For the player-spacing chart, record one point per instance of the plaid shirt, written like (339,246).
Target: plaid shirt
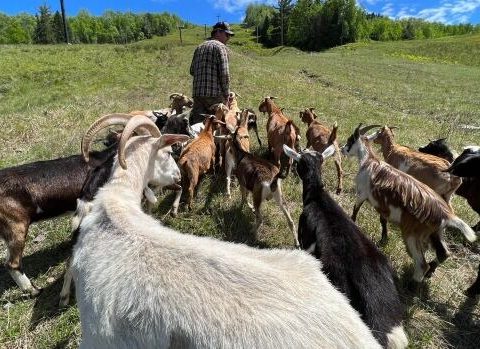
(209,68)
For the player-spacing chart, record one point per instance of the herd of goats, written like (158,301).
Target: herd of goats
(140,284)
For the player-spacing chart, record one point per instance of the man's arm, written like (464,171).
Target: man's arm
(224,71)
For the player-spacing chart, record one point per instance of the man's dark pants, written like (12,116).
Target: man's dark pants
(202,105)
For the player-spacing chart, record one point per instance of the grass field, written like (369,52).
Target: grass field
(50,94)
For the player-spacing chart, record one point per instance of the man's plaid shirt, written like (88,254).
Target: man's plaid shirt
(211,76)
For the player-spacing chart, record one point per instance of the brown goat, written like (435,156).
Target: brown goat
(280,131)
(420,212)
(426,168)
(262,179)
(318,136)
(197,158)
(243,140)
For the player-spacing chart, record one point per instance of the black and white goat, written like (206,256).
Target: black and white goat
(421,213)
(140,284)
(353,264)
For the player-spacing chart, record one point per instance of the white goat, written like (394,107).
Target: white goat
(143,285)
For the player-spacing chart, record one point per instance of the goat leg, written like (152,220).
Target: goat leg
(383,223)
(277,194)
(67,283)
(258,138)
(177,188)
(441,251)
(356,208)
(14,260)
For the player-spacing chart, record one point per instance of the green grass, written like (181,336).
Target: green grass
(50,94)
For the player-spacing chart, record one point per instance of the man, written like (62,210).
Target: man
(210,71)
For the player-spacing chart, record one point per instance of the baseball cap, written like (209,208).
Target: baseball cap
(223,26)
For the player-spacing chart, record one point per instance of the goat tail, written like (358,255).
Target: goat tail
(333,135)
(458,224)
(397,339)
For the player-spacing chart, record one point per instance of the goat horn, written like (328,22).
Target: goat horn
(393,127)
(104,122)
(173,95)
(235,94)
(363,130)
(130,127)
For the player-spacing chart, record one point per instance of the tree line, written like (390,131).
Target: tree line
(320,24)
(112,27)
(306,24)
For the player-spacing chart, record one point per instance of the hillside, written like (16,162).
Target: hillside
(49,95)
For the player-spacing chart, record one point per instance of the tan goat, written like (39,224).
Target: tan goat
(280,131)
(427,168)
(243,140)
(197,158)
(421,213)
(318,136)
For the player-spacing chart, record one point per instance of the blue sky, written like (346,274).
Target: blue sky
(208,11)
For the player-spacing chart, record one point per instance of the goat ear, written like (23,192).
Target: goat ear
(328,152)
(291,153)
(169,139)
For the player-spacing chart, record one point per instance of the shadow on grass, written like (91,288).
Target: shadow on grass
(238,226)
(217,186)
(464,330)
(46,305)
(410,290)
(38,263)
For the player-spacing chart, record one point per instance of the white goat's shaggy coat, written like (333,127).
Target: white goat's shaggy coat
(143,285)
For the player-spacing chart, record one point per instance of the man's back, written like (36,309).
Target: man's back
(210,70)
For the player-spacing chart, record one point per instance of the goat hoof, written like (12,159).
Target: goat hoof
(35,292)
(472,292)
(383,241)
(433,266)
(63,302)
(339,191)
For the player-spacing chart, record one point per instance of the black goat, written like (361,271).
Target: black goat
(350,260)
(37,191)
(468,165)
(470,186)
(438,147)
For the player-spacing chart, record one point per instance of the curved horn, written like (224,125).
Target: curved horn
(104,122)
(130,127)
(364,129)
(173,95)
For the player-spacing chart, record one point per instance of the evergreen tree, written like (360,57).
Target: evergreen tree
(57,27)
(44,31)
